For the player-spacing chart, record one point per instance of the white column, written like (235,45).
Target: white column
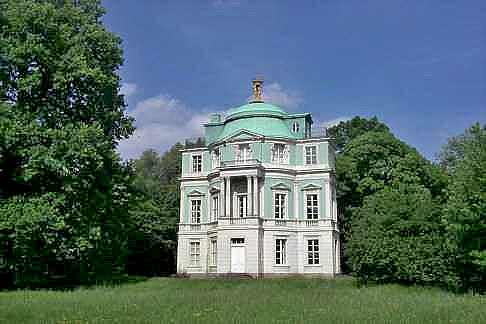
(255,195)
(181,209)
(221,197)
(249,196)
(227,197)
(327,196)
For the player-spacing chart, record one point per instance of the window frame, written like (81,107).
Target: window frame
(213,252)
(196,166)
(277,157)
(198,217)
(313,252)
(281,252)
(195,254)
(316,147)
(318,206)
(214,214)
(283,207)
(215,158)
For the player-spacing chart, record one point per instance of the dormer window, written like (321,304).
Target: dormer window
(196,163)
(295,127)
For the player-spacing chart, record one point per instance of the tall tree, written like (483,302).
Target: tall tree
(61,117)
(155,213)
(346,131)
(465,210)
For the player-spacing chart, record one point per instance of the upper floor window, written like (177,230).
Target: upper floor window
(241,201)
(312,206)
(195,253)
(196,163)
(215,158)
(196,211)
(279,206)
(311,155)
(312,251)
(280,154)
(243,153)
(280,251)
(215,208)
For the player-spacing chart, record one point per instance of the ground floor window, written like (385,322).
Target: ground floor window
(213,245)
(280,251)
(195,253)
(312,251)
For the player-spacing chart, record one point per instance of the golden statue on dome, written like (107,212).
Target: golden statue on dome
(257,89)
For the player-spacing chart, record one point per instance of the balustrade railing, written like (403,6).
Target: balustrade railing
(239,162)
(228,221)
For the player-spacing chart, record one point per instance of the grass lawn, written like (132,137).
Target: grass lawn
(170,300)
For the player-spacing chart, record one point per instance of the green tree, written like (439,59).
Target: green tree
(155,213)
(60,119)
(397,236)
(373,162)
(346,131)
(465,210)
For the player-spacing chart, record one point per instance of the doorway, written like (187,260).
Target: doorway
(238,257)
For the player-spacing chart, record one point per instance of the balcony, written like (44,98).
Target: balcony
(317,132)
(236,163)
(257,221)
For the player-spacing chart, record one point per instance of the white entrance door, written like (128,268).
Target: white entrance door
(237,255)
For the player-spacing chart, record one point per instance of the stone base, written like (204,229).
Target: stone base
(257,275)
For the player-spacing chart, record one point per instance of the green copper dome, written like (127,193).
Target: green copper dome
(257,117)
(256,109)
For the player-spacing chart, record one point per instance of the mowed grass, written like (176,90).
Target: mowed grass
(171,300)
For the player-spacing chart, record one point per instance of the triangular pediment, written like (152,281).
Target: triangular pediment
(242,135)
(280,186)
(195,193)
(311,186)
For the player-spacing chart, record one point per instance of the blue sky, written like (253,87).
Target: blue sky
(419,66)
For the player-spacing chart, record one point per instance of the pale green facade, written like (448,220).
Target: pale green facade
(258,196)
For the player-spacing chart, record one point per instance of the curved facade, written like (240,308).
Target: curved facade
(259,198)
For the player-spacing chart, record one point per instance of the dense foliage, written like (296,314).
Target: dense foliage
(64,195)
(155,213)
(465,210)
(406,220)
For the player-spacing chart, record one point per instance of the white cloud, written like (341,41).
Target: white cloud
(161,122)
(333,122)
(274,93)
(128,89)
(225,3)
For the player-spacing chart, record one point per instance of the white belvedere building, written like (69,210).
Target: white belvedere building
(259,197)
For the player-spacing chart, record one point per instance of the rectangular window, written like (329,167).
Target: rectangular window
(280,251)
(312,251)
(215,208)
(213,246)
(312,206)
(279,153)
(196,163)
(242,205)
(196,211)
(310,155)
(280,201)
(195,253)
(215,158)
(243,154)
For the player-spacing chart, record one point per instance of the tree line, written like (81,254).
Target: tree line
(72,212)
